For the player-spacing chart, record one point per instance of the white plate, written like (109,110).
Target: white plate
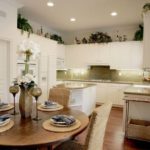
(3,123)
(60,124)
(4,106)
(49,107)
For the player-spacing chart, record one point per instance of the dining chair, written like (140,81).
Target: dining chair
(96,131)
(60,95)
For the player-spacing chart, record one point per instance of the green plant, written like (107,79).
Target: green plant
(57,38)
(23,24)
(146,7)
(99,37)
(138,36)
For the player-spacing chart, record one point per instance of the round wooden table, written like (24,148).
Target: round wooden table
(30,133)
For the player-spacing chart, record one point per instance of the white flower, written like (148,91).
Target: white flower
(25,79)
(30,45)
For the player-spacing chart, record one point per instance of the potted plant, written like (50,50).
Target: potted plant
(138,36)
(23,24)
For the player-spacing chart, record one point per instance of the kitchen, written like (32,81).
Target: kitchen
(112,66)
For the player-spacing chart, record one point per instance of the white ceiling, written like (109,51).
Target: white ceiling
(89,14)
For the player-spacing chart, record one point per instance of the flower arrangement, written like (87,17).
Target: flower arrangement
(29,48)
(27,81)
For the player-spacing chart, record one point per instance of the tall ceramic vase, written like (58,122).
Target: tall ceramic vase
(25,103)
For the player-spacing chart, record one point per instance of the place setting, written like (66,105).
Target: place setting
(50,106)
(61,123)
(5,122)
(5,106)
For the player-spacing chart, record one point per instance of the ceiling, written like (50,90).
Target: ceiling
(89,14)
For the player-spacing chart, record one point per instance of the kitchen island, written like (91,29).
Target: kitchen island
(137,112)
(83,95)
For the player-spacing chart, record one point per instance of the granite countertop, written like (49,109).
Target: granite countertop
(107,81)
(75,85)
(138,90)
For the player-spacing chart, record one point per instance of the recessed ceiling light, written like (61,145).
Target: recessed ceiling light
(50,4)
(72,19)
(114,13)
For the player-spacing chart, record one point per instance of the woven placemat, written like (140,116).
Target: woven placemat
(7,126)
(9,107)
(47,126)
(50,109)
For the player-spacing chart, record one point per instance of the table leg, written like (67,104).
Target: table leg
(45,147)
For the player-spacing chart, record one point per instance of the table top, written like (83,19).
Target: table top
(27,132)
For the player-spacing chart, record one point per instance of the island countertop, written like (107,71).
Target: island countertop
(138,90)
(75,85)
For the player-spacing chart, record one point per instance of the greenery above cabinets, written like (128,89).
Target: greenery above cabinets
(138,36)
(24,25)
(146,7)
(98,37)
(57,38)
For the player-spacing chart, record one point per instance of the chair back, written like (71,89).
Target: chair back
(60,95)
(98,123)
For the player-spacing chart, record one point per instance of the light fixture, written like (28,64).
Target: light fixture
(72,19)
(50,3)
(114,13)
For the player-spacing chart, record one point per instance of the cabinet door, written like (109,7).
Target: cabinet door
(126,55)
(102,93)
(75,56)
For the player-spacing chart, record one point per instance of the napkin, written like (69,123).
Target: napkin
(63,119)
(3,104)
(4,117)
(49,103)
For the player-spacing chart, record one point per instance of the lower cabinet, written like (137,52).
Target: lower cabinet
(110,92)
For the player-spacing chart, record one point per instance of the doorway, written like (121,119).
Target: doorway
(4,70)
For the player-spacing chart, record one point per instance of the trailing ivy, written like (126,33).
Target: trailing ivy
(23,24)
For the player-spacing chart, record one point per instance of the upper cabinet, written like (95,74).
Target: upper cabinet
(126,55)
(119,55)
(81,56)
(146,52)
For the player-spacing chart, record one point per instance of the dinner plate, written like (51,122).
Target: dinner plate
(4,106)
(3,123)
(62,123)
(53,106)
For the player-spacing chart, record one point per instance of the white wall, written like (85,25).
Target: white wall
(69,37)
(8,24)
(37,26)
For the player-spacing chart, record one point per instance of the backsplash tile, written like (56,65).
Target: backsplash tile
(101,73)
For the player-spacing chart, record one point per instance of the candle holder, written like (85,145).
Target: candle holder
(36,92)
(14,90)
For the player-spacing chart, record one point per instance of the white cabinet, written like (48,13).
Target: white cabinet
(110,92)
(146,52)
(60,60)
(119,55)
(76,56)
(80,56)
(126,55)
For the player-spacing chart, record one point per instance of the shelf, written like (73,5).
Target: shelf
(139,129)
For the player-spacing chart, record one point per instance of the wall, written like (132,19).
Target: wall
(129,30)
(8,24)
(37,26)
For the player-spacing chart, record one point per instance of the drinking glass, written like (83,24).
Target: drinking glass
(14,90)
(36,92)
